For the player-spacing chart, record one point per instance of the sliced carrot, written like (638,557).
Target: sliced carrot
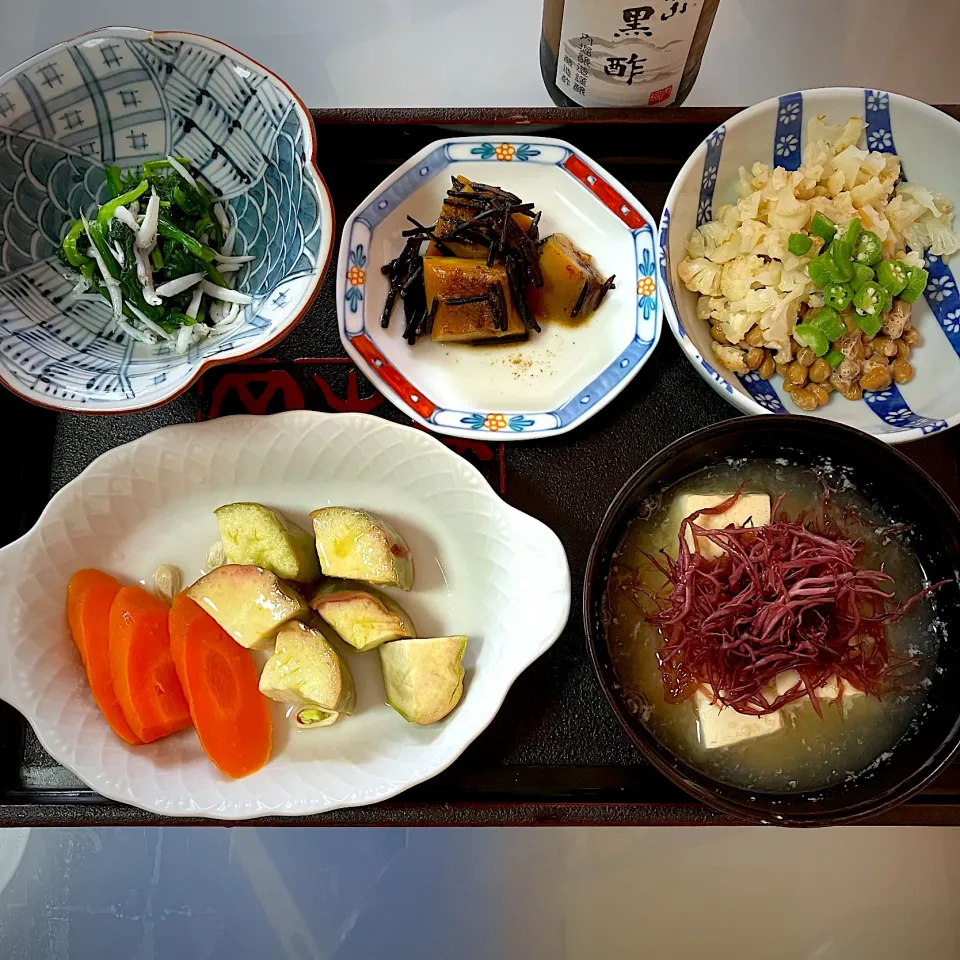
(220,680)
(143,672)
(90,594)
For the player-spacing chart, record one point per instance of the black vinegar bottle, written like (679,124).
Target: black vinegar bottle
(600,53)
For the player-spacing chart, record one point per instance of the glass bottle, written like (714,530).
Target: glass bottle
(601,53)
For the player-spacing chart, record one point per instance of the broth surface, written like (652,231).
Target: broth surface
(808,752)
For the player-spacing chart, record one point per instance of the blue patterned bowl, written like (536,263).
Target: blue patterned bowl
(122,96)
(774,132)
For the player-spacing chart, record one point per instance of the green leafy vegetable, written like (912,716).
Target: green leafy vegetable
(189,232)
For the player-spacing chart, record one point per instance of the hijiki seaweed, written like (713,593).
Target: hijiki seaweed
(492,225)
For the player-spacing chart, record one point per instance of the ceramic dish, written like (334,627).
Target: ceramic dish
(483,569)
(122,96)
(906,494)
(558,378)
(774,132)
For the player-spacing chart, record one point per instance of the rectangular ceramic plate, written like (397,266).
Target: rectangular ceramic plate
(554,753)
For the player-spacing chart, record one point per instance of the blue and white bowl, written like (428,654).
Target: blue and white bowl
(560,377)
(121,96)
(774,132)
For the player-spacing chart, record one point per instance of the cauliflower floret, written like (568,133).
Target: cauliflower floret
(933,235)
(738,276)
(872,192)
(873,165)
(834,183)
(901,213)
(731,358)
(921,195)
(773,244)
(891,169)
(777,323)
(696,245)
(737,323)
(838,137)
(848,163)
(779,180)
(852,132)
(700,275)
(807,187)
(727,213)
(748,206)
(795,282)
(722,242)
(769,274)
(817,153)
(759,176)
(752,233)
(760,300)
(711,308)
(789,214)
(839,209)
(872,219)
(784,353)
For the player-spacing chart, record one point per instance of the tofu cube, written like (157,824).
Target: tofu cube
(829,691)
(722,726)
(752,509)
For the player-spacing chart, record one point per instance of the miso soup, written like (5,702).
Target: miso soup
(796,749)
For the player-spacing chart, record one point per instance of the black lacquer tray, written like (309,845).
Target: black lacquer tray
(554,754)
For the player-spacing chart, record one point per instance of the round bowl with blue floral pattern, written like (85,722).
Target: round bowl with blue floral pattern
(120,96)
(777,133)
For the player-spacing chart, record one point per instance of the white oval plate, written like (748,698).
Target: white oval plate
(558,378)
(483,569)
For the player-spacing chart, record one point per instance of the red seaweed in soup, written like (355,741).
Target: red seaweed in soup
(792,747)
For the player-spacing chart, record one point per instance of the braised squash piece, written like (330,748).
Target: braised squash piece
(572,288)
(474,303)
(453,215)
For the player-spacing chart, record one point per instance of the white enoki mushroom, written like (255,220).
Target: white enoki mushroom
(227,319)
(127,218)
(231,238)
(220,258)
(172,287)
(187,336)
(225,293)
(222,217)
(194,306)
(182,170)
(148,323)
(133,333)
(147,234)
(145,276)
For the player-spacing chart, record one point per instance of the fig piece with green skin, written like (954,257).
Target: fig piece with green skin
(356,545)
(254,534)
(306,671)
(250,603)
(423,677)
(361,615)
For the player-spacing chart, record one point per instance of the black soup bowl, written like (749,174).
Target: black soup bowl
(907,495)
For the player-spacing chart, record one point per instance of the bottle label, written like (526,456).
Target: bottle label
(617,56)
